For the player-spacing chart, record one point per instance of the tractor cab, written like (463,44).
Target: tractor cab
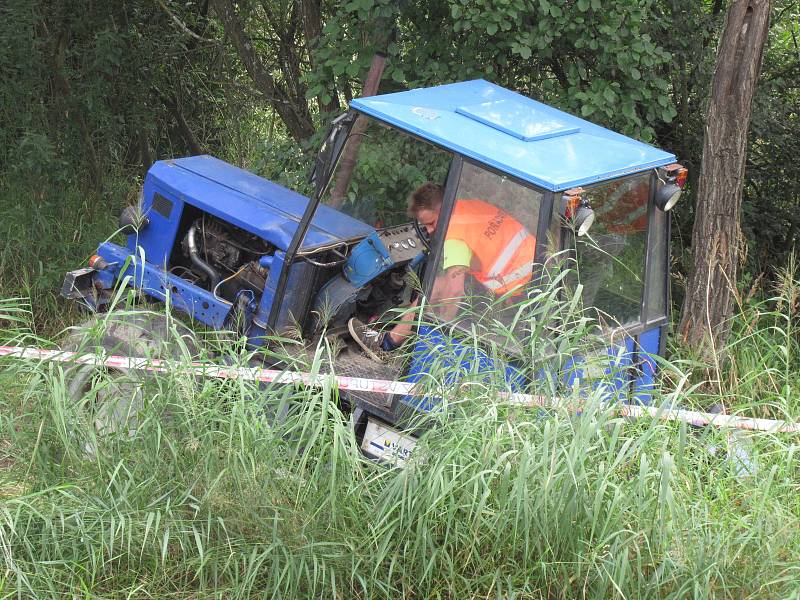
(569,186)
(519,182)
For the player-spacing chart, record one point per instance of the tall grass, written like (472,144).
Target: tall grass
(758,371)
(46,231)
(235,490)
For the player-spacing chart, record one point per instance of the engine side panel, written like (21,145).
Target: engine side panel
(163,209)
(252,203)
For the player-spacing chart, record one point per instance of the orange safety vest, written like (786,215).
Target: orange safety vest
(502,248)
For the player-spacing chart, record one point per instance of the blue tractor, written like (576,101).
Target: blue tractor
(235,251)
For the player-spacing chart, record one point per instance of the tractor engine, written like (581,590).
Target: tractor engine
(223,258)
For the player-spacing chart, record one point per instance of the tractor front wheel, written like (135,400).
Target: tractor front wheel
(114,398)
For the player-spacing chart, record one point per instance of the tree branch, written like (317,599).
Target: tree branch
(183,26)
(171,102)
(293,111)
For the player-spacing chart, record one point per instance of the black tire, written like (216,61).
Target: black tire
(113,398)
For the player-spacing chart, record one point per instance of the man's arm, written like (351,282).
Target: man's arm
(448,290)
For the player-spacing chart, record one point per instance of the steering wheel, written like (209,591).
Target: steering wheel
(422,233)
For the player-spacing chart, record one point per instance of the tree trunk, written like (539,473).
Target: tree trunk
(293,111)
(350,152)
(716,234)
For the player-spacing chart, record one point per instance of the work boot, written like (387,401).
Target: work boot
(370,340)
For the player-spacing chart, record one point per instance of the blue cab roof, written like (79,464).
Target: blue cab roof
(514,134)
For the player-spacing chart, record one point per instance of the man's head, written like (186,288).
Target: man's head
(425,204)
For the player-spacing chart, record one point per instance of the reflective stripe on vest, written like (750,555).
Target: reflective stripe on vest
(508,253)
(517,274)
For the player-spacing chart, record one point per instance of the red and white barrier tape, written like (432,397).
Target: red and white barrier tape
(382,386)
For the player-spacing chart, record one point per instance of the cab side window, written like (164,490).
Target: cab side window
(389,166)
(491,235)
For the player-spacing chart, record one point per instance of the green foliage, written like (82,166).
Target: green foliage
(23,76)
(770,218)
(90,86)
(771,195)
(215,501)
(598,62)
(281,161)
(758,372)
(45,232)
(39,160)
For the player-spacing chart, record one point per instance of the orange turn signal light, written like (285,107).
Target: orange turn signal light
(572,200)
(97,262)
(677,173)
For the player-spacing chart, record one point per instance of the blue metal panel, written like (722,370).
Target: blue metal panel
(435,351)
(649,345)
(256,205)
(155,282)
(612,365)
(158,238)
(555,163)
(515,118)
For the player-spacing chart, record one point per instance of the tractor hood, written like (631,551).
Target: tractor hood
(253,203)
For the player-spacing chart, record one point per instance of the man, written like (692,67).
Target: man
(483,242)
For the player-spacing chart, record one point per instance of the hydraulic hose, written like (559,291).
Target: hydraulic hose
(198,262)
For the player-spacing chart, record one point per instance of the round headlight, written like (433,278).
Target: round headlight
(667,196)
(584,218)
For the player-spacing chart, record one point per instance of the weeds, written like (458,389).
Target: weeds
(43,234)
(760,372)
(225,488)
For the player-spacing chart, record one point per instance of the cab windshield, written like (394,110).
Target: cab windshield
(611,257)
(378,169)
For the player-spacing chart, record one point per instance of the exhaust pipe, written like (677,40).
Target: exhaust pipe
(198,262)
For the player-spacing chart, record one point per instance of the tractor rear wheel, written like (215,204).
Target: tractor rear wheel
(114,398)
